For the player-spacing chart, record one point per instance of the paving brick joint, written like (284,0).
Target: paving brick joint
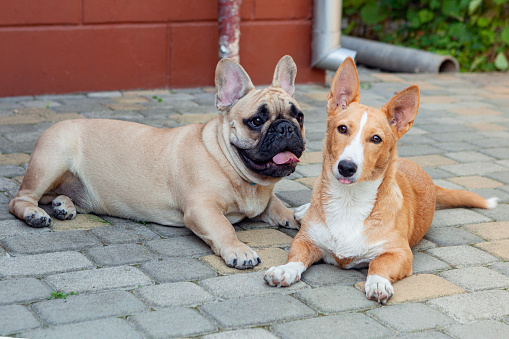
(125,279)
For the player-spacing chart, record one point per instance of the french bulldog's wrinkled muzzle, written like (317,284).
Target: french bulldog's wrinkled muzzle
(278,152)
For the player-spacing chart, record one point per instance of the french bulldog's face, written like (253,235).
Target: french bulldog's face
(266,127)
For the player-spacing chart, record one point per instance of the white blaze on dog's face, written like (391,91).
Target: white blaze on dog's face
(360,139)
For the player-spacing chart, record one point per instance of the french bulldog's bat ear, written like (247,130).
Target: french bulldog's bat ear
(232,83)
(402,110)
(284,75)
(344,88)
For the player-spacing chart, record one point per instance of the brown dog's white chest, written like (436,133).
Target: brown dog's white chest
(342,235)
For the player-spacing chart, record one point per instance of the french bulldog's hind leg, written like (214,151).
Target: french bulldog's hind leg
(63,208)
(43,175)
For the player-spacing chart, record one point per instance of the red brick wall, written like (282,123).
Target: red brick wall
(63,46)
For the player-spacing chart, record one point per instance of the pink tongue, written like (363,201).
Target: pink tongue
(285,157)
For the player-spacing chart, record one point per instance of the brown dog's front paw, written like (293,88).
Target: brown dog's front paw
(284,275)
(240,256)
(300,211)
(378,289)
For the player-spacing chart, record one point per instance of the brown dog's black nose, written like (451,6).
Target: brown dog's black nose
(347,168)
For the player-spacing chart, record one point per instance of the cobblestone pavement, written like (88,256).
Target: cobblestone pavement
(135,280)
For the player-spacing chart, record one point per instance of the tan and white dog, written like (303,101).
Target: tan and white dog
(368,205)
(202,176)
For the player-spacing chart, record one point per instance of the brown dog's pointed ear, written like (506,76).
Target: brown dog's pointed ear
(232,83)
(402,110)
(284,75)
(345,87)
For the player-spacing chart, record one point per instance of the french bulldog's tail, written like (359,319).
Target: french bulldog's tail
(459,198)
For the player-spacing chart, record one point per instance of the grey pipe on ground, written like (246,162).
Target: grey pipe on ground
(399,59)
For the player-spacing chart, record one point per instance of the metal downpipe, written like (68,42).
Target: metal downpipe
(326,52)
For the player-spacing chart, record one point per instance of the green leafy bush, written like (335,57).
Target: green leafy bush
(475,32)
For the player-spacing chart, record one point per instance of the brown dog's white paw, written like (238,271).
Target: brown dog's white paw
(36,217)
(284,275)
(240,256)
(301,211)
(378,289)
(63,208)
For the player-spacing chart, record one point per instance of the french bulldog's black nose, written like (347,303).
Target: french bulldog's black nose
(347,168)
(285,128)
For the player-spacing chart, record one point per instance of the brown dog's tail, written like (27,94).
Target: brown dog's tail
(459,198)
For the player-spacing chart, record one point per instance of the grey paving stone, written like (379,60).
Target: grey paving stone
(348,325)
(259,310)
(437,173)
(422,245)
(414,150)
(108,278)
(295,198)
(191,246)
(170,231)
(78,308)
(289,185)
(411,317)
(11,171)
(474,168)
(50,242)
(500,213)
(500,176)
(7,184)
(116,255)
(245,285)
(462,256)
(174,294)
(497,152)
(23,290)
(502,267)
(43,264)
(313,170)
(456,146)
(476,278)
(111,328)
(335,299)
(469,156)
(177,269)
(110,94)
(425,335)
(121,234)
(325,274)
(452,236)
(12,227)
(424,263)
(447,184)
(248,224)
(457,216)
(173,322)
(16,318)
(481,329)
(249,333)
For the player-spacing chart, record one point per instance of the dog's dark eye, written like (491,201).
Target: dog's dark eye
(376,139)
(300,118)
(256,121)
(342,129)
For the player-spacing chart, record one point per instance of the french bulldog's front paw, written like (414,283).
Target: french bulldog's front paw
(63,208)
(378,289)
(37,217)
(300,211)
(240,256)
(284,275)
(292,223)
